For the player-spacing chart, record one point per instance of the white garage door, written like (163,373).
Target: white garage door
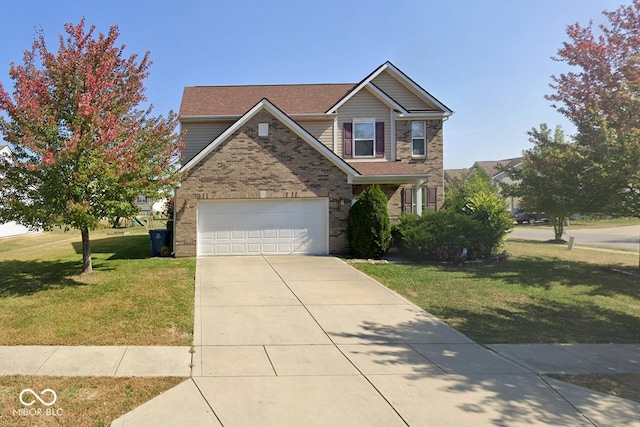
(252,227)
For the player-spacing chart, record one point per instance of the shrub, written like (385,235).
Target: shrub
(369,230)
(489,210)
(442,236)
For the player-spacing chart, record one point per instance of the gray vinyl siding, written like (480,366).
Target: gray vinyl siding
(400,93)
(365,105)
(199,135)
(322,131)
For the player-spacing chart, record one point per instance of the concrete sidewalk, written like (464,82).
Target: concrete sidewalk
(128,361)
(285,341)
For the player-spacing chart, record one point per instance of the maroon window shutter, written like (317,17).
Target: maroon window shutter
(347,131)
(379,139)
(407,200)
(432,197)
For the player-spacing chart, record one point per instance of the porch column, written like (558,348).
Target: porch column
(417,196)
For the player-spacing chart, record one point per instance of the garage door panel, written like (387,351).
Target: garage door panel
(291,226)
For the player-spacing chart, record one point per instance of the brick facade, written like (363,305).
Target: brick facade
(246,166)
(394,196)
(433,163)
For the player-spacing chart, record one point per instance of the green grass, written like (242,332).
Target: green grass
(81,401)
(626,386)
(577,224)
(130,299)
(544,294)
(603,223)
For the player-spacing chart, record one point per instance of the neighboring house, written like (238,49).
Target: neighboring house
(10,228)
(274,169)
(495,172)
(493,168)
(144,204)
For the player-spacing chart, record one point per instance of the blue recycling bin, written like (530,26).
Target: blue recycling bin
(160,238)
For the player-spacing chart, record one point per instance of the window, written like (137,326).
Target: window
(418,139)
(142,199)
(364,136)
(263,129)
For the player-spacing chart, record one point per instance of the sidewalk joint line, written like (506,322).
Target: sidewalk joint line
(544,380)
(120,361)
(206,401)
(336,346)
(46,360)
(264,347)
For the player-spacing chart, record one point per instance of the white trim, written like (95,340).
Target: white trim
(424,115)
(287,121)
(394,137)
(353,137)
(416,88)
(424,140)
(391,179)
(417,197)
(335,135)
(391,103)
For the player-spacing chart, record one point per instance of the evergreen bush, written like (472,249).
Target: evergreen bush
(369,230)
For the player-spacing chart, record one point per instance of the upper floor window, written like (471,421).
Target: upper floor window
(142,199)
(418,139)
(364,136)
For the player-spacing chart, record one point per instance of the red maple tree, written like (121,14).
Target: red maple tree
(82,144)
(601,97)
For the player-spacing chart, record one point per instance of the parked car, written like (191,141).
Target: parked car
(530,217)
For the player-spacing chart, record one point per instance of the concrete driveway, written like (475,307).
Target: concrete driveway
(288,341)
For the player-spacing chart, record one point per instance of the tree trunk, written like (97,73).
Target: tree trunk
(87,268)
(558,228)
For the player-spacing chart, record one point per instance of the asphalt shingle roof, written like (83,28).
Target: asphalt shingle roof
(237,100)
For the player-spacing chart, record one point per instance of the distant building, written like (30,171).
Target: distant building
(494,170)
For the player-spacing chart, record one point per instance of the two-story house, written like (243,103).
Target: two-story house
(274,169)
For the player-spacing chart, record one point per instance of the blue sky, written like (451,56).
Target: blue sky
(488,60)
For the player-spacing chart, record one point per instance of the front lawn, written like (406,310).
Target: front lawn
(81,401)
(130,299)
(544,294)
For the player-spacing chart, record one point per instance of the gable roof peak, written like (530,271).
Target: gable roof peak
(265,104)
(400,76)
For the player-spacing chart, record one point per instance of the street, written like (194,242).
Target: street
(626,238)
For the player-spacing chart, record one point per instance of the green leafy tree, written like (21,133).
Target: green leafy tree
(601,97)
(458,190)
(83,146)
(474,195)
(369,230)
(550,179)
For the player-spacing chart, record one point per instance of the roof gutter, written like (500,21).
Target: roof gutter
(419,179)
(426,115)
